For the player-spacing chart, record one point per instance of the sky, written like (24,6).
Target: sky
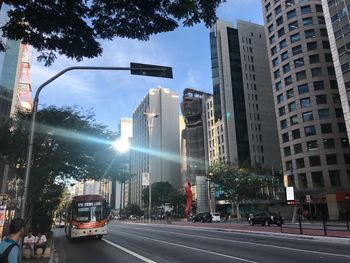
(116,94)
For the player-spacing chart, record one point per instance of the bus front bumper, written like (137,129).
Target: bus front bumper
(88,232)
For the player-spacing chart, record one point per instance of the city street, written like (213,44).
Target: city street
(168,243)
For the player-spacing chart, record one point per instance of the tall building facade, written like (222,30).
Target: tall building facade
(312,133)
(338,26)
(155,150)
(120,191)
(193,108)
(243,101)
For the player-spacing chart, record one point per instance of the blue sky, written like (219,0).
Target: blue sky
(113,95)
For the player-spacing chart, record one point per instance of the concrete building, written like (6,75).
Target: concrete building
(243,101)
(311,128)
(157,153)
(120,189)
(15,88)
(338,26)
(194,110)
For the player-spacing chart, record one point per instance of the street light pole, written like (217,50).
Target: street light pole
(141,69)
(150,117)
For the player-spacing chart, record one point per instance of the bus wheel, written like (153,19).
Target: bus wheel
(99,237)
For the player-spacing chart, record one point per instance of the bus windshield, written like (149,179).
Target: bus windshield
(89,211)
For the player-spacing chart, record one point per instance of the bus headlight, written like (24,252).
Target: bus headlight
(74,227)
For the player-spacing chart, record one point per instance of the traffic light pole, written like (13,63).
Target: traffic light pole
(136,69)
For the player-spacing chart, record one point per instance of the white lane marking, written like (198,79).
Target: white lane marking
(129,251)
(256,244)
(192,248)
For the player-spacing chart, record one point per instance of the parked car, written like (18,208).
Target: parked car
(202,217)
(132,217)
(266,219)
(215,217)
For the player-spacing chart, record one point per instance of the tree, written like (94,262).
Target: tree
(68,144)
(237,183)
(134,209)
(73,28)
(160,193)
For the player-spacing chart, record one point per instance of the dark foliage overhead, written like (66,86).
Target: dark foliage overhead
(74,28)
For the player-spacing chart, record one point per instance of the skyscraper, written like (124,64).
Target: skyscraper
(338,26)
(243,101)
(156,149)
(312,133)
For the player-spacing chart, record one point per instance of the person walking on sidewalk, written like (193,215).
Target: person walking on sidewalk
(40,242)
(9,248)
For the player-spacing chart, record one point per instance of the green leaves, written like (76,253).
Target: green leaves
(237,182)
(73,28)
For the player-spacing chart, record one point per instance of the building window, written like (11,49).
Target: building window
(314,59)
(331,71)
(277,74)
(301,75)
(344,142)
(319,8)
(317,179)
(279,86)
(303,88)
(341,127)
(308,21)
(290,93)
(284,56)
(288,80)
(287,151)
(294,120)
(333,84)
(329,143)
(316,72)
(324,32)
(310,33)
(334,177)
(298,148)
(291,14)
(331,159)
(314,160)
(280,98)
(292,26)
(279,21)
(296,134)
(305,10)
(289,3)
(281,32)
(285,137)
(298,62)
(318,85)
(283,44)
(312,146)
(282,111)
(286,68)
(273,51)
(310,130)
(272,39)
(311,46)
(292,106)
(295,38)
(323,114)
(305,102)
(347,158)
(300,163)
(328,57)
(321,99)
(297,50)
(283,124)
(326,128)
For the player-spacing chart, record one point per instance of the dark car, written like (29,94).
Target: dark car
(265,219)
(202,217)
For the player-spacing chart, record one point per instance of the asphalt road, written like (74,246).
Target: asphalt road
(169,243)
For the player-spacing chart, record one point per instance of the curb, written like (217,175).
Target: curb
(52,250)
(339,240)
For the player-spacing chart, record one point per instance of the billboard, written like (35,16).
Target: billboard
(145,179)
(290,195)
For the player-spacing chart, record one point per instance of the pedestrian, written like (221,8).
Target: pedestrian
(40,242)
(9,248)
(28,242)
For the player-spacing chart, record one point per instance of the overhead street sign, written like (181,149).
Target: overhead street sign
(151,70)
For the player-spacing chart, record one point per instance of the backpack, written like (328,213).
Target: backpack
(6,252)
